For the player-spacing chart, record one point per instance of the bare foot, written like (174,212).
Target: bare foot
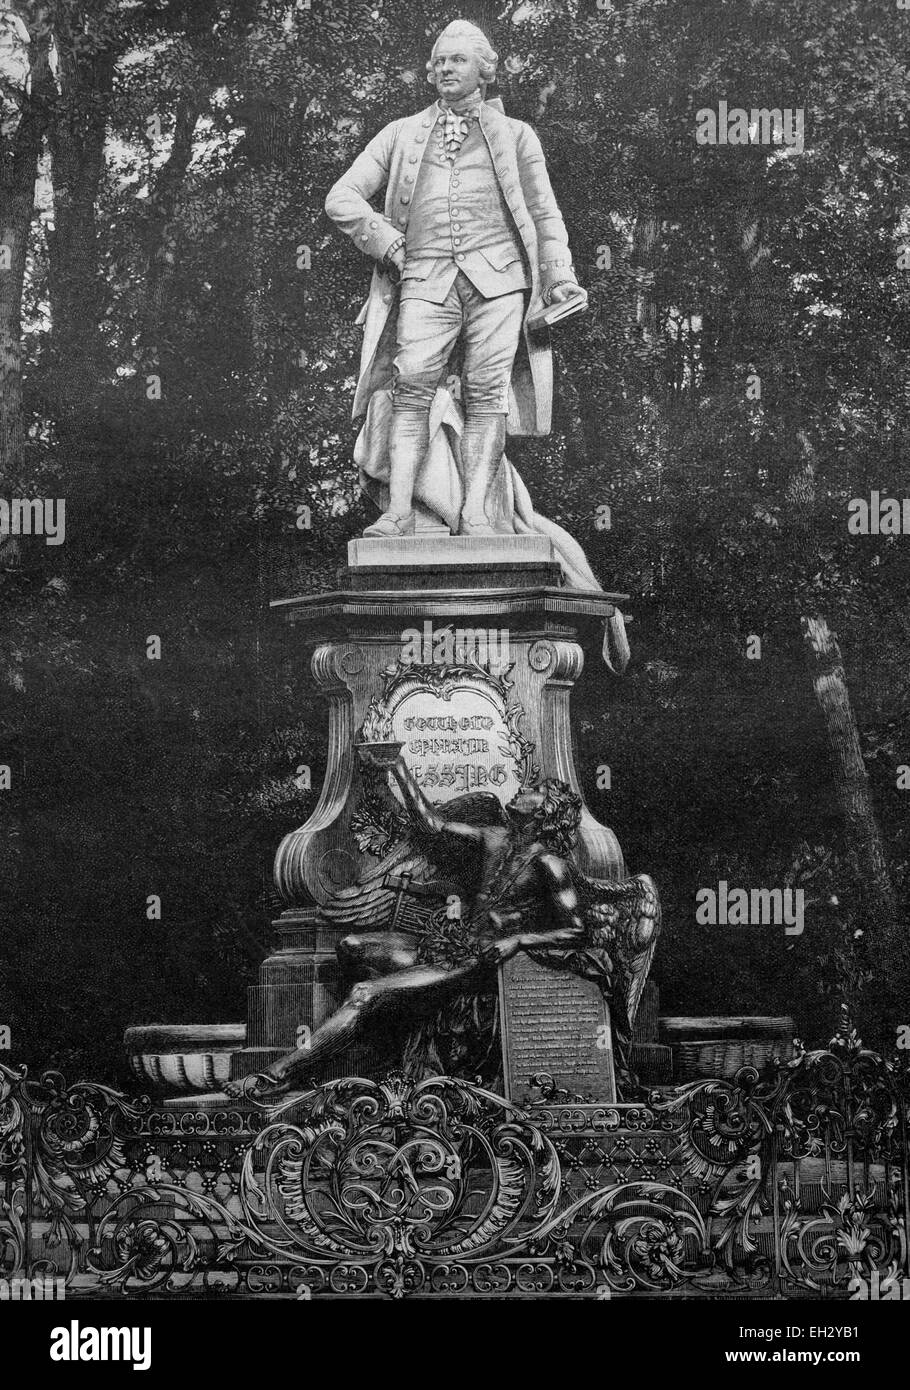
(255,1086)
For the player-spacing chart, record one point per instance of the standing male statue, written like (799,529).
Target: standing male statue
(472,232)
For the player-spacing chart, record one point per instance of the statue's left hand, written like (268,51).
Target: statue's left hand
(560,293)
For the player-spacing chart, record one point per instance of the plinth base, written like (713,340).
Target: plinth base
(463,650)
(481,561)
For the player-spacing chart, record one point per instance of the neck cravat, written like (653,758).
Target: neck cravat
(456,126)
(456,129)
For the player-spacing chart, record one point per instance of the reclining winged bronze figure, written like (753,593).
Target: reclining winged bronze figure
(484,882)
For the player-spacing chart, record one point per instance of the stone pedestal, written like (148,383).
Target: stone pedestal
(356,640)
(466,650)
(652,1060)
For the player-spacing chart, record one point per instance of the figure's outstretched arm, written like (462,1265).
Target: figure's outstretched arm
(426,814)
(562,898)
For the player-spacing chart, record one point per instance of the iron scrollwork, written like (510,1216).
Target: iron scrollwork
(793,1182)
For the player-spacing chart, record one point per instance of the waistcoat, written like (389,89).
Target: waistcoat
(460,221)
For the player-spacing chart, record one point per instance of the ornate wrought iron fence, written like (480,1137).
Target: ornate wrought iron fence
(791,1185)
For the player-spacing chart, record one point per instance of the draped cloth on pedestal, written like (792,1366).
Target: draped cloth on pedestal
(438,493)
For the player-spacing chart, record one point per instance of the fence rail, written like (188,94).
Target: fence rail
(792,1184)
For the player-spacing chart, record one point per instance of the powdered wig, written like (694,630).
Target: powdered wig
(476,41)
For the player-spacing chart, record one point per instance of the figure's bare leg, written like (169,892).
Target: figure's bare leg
(366,1002)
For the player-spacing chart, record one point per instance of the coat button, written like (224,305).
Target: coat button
(374,225)
(426,123)
(405,198)
(420,139)
(457,240)
(412,159)
(409,178)
(460,256)
(364,237)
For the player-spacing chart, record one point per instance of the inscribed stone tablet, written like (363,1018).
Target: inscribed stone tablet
(554,1023)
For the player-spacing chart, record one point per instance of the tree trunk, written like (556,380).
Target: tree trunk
(19,154)
(656,402)
(268,152)
(766,344)
(76,139)
(161,238)
(887,944)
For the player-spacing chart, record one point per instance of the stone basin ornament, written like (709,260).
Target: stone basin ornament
(175,1058)
(383,754)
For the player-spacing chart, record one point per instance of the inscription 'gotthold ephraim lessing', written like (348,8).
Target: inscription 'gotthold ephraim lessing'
(471,246)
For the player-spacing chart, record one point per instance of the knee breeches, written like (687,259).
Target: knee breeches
(427,333)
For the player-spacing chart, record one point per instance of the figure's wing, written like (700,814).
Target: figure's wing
(625,918)
(639,966)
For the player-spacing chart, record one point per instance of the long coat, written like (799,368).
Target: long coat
(392,159)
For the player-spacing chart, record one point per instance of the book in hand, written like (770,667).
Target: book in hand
(555,313)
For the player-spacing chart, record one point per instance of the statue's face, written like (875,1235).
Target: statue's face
(456,69)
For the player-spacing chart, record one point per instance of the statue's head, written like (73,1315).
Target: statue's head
(552,809)
(462,60)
